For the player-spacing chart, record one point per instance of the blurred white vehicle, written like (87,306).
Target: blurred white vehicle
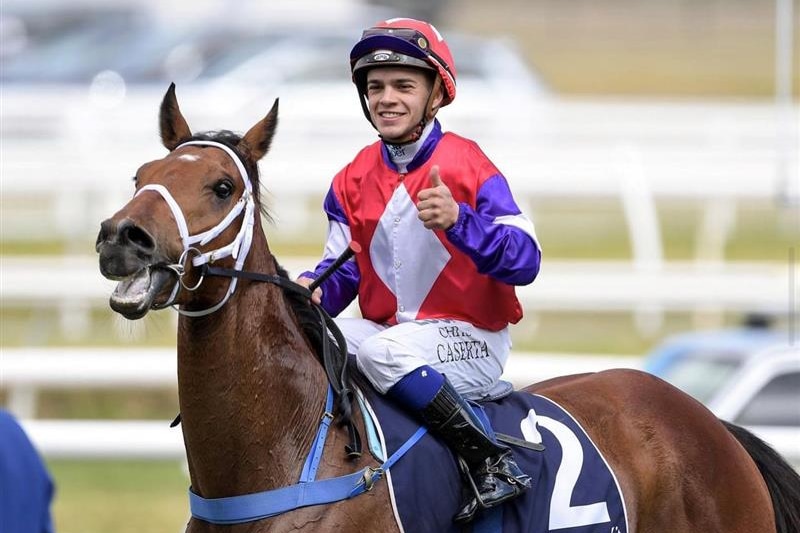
(749,376)
(764,395)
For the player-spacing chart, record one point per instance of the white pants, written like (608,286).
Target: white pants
(470,357)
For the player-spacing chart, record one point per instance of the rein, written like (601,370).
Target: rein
(335,367)
(308,491)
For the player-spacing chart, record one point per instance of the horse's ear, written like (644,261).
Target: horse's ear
(174,129)
(258,139)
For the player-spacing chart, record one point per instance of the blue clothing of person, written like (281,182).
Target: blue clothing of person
(26,488)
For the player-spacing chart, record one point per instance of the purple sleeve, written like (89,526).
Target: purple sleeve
(342,287)
(504,251)
(333,209)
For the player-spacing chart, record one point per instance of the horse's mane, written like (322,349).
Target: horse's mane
(316,331)
(309,320)
(231,140)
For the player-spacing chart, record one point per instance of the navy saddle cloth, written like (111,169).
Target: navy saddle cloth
(574,490)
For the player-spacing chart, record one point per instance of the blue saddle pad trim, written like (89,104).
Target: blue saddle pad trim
(574,489)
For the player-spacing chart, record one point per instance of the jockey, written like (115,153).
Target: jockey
(444,245)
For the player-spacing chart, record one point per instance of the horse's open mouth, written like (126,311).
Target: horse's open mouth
(135,295)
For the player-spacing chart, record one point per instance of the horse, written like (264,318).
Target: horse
(252,390)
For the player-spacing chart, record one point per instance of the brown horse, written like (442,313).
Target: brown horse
(252,390)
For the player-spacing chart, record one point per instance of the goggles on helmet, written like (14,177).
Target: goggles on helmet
(389,57)
(404,42)
(401,40)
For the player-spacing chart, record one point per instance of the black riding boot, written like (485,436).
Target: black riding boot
(494,477)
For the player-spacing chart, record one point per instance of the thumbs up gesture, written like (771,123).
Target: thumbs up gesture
(436,206)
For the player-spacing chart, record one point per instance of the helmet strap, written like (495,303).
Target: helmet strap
(430,112)
(362,97)
(427,115)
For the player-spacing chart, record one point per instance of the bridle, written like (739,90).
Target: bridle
(238,248)
(335,367)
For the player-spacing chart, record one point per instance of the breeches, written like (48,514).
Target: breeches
(470,357)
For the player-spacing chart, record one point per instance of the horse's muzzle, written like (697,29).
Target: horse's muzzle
(124,248)
(128,255)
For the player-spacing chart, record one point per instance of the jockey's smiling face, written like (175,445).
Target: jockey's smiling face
(397,97)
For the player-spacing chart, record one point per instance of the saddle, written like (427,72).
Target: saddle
(573,487)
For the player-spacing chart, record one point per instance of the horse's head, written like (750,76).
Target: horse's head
(196,205)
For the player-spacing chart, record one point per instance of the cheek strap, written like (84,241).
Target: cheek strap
(238,248)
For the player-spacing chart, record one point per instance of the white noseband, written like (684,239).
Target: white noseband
(238,248)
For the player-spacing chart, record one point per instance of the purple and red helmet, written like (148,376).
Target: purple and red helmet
(404,42)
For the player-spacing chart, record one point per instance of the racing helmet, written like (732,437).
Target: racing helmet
(404,42)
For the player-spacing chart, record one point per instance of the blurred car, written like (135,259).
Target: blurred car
(702,362)
(93,74)
(63,43)
(289,44)
(87,95)
(749,376)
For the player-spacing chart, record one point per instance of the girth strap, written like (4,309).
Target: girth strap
(259,505)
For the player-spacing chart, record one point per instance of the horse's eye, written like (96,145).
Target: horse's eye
(223,189)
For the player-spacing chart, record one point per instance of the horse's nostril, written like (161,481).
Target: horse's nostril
(127,233)
(138,237)
(102,236)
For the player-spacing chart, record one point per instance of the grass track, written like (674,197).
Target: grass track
(119,497)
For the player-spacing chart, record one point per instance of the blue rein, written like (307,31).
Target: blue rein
(308,491)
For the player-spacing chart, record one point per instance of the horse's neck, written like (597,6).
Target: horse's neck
(251,393)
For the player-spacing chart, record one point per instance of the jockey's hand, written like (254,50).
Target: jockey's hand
(316,296)
(436,206)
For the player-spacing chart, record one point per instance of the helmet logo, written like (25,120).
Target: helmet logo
(381,56)
(422,42)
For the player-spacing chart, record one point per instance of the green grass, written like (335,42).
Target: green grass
(614,333)
(35,247)
(41,327)
(119,497)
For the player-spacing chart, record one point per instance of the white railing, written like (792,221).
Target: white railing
(555,148)
(561,285)
(28,371)
(74,286)
(105,439)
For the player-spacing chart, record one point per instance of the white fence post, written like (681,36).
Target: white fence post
(641,214)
